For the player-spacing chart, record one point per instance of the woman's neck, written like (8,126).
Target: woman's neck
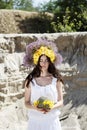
(44,74)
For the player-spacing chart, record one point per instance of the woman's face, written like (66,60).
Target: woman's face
(44,63)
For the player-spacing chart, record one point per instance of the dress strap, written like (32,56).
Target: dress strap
(54,80)
(32,83)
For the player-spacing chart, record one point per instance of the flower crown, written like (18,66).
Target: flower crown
(43,50)
(35,49)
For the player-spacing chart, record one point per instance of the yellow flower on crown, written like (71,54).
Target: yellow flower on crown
(43,50)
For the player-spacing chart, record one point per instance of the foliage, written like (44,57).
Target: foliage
(68,15)
(47,7)
(17,4)
(69,24)
(6,4)
(23,5)
(71,15)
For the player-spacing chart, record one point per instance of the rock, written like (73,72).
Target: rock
(13,61)
(71,123)
(14,117)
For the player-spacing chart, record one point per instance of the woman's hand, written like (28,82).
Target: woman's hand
(38,109)
(44,111)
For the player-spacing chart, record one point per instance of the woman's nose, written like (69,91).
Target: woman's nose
(44,62)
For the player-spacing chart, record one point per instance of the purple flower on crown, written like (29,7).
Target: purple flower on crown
(32,47)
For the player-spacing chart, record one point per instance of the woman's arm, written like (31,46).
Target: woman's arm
(27,97)
(60,95)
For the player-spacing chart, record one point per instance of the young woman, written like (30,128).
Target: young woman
(43,81)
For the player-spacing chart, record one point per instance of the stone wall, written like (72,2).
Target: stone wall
(72,46)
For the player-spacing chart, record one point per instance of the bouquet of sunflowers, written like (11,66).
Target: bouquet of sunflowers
(44,103)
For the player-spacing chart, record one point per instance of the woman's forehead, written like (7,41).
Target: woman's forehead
(43,57)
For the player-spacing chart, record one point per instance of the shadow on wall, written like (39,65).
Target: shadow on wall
(41,24)
(76,96)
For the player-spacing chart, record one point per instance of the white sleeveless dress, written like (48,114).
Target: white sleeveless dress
(38,120)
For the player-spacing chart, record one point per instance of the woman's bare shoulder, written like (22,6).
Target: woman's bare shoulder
(59,83)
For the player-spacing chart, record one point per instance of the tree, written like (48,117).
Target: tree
(17,4)
(6,4)
(47,7)
(69,15)
(23,5)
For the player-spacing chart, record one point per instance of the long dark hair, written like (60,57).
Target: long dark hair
(37,71)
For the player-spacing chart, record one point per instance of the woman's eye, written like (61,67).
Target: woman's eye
(44,61)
